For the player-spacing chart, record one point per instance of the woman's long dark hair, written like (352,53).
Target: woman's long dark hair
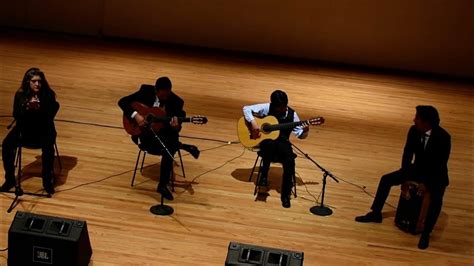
(25,88)
(24,93)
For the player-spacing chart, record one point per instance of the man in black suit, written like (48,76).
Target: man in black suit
(430,144)
(159,95)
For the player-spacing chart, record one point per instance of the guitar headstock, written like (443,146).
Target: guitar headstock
(198,119)
(316,121)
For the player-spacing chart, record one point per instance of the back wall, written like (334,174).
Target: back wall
(435,36)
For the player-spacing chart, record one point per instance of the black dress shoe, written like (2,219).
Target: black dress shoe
(7,186)
(424,241)
(371,217)
(285,202)
(193,150)
(49,189)
(165,192)
(48,184)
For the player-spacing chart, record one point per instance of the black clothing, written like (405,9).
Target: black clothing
(429,168)
(170,136)
(34,129)
(280,150)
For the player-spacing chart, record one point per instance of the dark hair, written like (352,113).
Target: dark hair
(163,83)
(25,88)
(279,98)
(428,114)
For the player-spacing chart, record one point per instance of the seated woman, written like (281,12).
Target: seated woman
(34,109)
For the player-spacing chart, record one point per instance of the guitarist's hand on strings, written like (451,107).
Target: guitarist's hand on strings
(174,122)
(140,120)
(255,131)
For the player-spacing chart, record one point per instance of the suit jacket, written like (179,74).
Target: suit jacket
(430,166)
(147,95)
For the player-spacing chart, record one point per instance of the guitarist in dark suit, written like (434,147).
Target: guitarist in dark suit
(278,150)
(161,96)
(430,146)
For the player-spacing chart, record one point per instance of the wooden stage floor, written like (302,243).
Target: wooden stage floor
(367,117)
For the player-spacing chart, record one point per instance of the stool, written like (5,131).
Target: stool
(259,175)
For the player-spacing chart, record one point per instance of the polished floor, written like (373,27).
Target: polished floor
(367,117)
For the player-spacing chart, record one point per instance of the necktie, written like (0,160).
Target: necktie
(424,137)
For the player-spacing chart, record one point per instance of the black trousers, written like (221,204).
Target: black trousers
(279,151)
(150,143)
(397,178)
(32,140)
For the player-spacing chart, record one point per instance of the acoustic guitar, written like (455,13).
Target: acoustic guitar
(155,117)
(269,129)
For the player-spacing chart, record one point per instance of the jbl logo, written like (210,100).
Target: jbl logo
(42,255)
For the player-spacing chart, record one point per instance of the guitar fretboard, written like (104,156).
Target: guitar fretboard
(152,118)
(269,128)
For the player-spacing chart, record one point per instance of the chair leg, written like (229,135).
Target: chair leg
(143,161)
(136,166)
(253,169)
(173,176)
(18,163)
(182,165)
(18,156)
(57,155)
(294,185)
(259,175)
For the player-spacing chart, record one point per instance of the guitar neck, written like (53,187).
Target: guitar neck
(167,119)
(184,119)
(161,119)
(269,128)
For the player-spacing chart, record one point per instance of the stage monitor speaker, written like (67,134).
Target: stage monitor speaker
(45,240)
(244,254)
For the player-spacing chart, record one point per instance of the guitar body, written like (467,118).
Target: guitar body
(131,125)
(269,129)
(156,117)
(243,131)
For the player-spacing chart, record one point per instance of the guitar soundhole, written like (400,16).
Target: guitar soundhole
(265,128)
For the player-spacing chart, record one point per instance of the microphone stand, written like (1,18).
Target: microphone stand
(161,209)
(18,190)
(320,210)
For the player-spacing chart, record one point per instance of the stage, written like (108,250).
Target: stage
(367,113)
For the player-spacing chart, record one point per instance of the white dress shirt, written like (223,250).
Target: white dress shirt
(262,109)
